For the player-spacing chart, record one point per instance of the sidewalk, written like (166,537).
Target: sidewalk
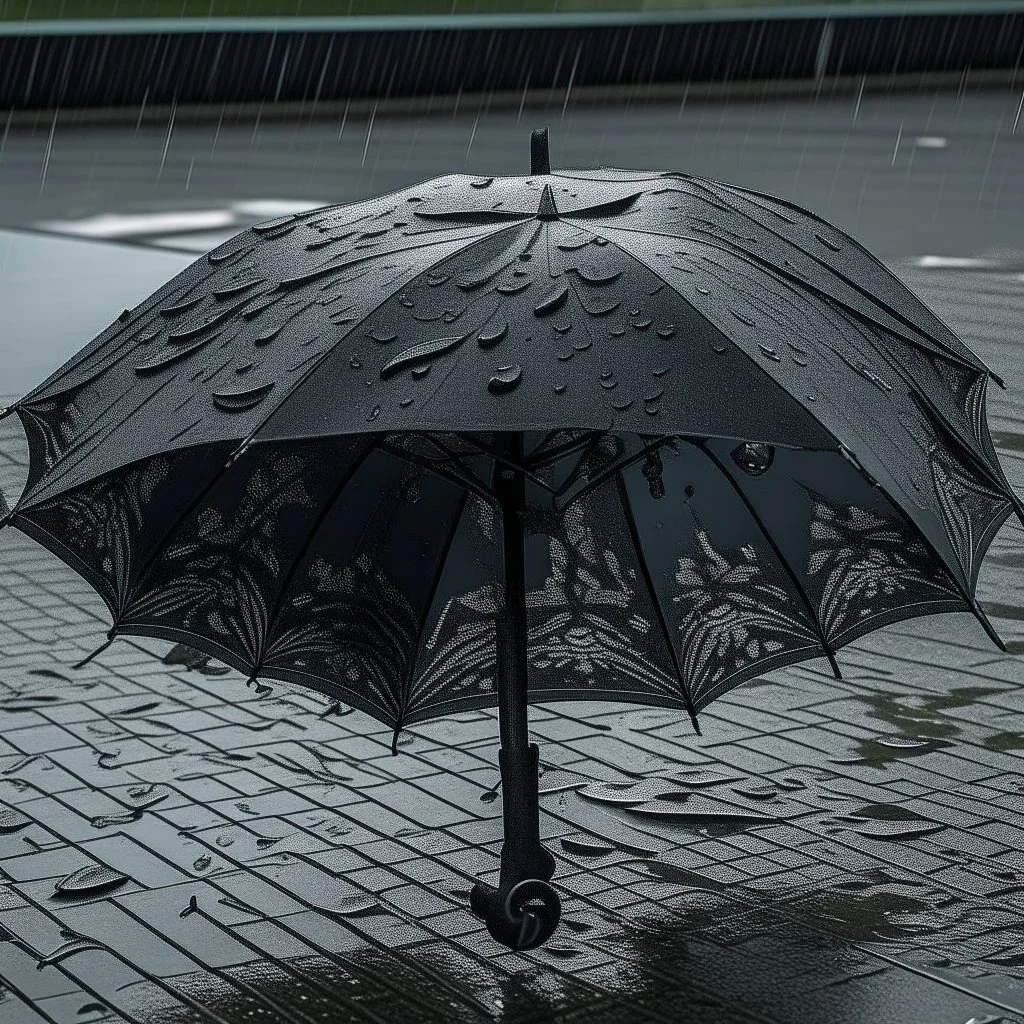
(833,852)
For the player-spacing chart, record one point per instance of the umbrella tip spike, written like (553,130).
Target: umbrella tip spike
(695,723)
(394,740)
(540,161)
(111,637)
(836,672)
(980,615)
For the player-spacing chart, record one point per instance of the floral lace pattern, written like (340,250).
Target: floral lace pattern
(105,519)
(865,564)
(734,615)
(214,577)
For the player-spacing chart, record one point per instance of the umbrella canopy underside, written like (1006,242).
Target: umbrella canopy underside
(658,571)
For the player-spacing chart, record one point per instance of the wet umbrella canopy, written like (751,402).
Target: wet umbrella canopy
(619,435)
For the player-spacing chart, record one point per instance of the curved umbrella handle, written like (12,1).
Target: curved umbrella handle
(523,917)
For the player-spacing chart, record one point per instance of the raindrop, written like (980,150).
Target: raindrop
(482,183)
(374,413)
(770,352)
(655,397)
(435,280)
(719,348)
(831,245)
(622,406)
(661,372)
(799,362)
(564,357)
(157,365)
(235,289)
(202,863)
(609,384)
(703,290)
(421,371)
(267,336)
(90,880)
(753,458)
(553,301)
(642,325)
(244,368)
(405,403)
(147,337)
(667,331)
(181,307)
(526,256)
(239,401)
(603,310)
(417,353)
(223,256)
(618,332)
(383,336)
(355,364)
(12,820)
(559,389)
(273,225)
(488,339)
(506,379)
(651,410)
(489,797)
(742,319)
(600,240)
(514,288)
(582,346)
(596,278)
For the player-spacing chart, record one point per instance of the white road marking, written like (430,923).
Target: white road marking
(954,263)
(200,241)
(275,207)
(126,225)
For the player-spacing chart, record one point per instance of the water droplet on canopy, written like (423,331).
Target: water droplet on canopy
(754,458)
(506,379)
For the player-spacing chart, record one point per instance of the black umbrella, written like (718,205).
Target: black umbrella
(596,434)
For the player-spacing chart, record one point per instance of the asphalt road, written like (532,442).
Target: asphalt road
(939,173)
(877,876)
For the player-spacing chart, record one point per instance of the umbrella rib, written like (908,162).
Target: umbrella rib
(618,467)
(499,458)
(965,591)
(468,482)
(434,587)
(645,571)
(783,561)
(978,364)
(942,558)
(943,426)
(311,534)
(758,261)
(319,360)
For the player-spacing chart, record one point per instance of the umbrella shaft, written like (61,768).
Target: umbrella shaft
(511,625)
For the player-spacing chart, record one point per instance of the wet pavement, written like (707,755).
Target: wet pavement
(179,847)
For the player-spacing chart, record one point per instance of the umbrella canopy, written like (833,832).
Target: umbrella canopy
(611,434)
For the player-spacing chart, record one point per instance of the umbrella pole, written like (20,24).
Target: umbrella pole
(523,911)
